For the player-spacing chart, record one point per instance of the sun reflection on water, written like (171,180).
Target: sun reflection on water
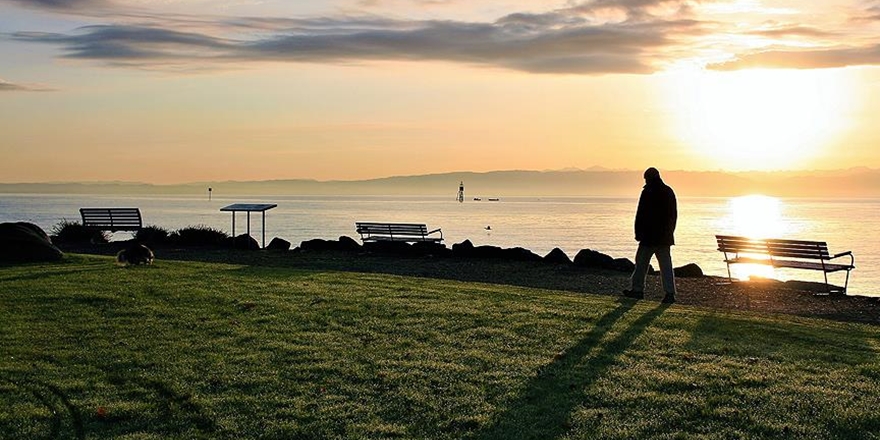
(755,216)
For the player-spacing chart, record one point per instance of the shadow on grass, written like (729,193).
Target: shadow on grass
(56,403)
(176,411)
(543,409)
(494,271)
(42,275)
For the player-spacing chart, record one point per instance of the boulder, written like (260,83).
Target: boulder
(348,244)
(688,271)
(431,248)
(389,247)
(26,243)
(319,244)
(488,252)
(244,241)
(593,259)
(557,256)
(519,254)
(623,265)
(278,244)
(464,249)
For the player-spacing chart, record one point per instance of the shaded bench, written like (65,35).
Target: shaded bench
(791,254)
(111,219)
(406,232)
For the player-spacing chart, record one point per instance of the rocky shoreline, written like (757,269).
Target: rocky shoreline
(589,272)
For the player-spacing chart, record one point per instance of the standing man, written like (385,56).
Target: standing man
(655,226)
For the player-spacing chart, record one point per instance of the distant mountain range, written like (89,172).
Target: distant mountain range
(856,182)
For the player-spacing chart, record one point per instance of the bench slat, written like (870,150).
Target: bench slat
(769,251)
(407,232)
(112,219)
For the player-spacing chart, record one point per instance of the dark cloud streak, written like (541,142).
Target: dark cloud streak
(806,59)
(6,86)
(61,5)
(545,43)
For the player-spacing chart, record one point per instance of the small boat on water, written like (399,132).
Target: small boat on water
(477,199)
(494,199)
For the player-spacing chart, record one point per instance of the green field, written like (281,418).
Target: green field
(89,349)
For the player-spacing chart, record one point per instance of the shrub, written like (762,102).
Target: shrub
(152,234)
(200,235)
(67,231)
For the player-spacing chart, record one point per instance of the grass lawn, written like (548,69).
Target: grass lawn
(204,350)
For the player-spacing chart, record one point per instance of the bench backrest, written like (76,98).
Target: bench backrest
(112,219)
(392,229)
(816,250)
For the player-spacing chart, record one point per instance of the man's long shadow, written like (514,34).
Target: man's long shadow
(543,409)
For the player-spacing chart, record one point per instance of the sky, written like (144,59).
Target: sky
(174,91)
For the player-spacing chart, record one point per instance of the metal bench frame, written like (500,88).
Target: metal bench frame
(406,232)
(791,254)
(112,219)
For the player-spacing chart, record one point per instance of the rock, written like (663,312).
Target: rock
(318,244)
(26,243)
(135,254)
(623,265)
(464,249)
(557,256)
(431,248)
(688,271)
(520,254)
(486,251)
(389,247)
(591,258)
(244,241)
(348,244)
(278,244)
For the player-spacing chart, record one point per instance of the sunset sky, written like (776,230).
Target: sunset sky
(177,91)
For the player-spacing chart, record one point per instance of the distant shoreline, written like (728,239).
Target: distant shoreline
(854,183)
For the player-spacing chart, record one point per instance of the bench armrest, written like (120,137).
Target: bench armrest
(842,254)
(435,230)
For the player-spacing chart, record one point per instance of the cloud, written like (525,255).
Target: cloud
(61,4)
(540,43)
(793,31)
(805,59)
(6,86)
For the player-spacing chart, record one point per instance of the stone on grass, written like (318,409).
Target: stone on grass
(135,254)
(26,243)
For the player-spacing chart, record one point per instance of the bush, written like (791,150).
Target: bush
(200,235)
(73,232)
(152,234)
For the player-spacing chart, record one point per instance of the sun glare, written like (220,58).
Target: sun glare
(754,216)
(759,119)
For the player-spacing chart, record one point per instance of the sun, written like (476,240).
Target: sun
(758,119)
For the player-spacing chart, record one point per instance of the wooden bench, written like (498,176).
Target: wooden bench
(111,219)
(792,254)
(408,232)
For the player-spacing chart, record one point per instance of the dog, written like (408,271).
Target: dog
(135,254)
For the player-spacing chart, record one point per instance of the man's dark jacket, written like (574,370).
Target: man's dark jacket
(656,215)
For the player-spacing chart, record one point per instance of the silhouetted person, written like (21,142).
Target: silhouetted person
(655,225)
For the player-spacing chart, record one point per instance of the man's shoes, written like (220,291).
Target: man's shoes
(634,294)
(668,299)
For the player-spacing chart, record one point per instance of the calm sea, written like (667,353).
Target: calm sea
(536,223)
